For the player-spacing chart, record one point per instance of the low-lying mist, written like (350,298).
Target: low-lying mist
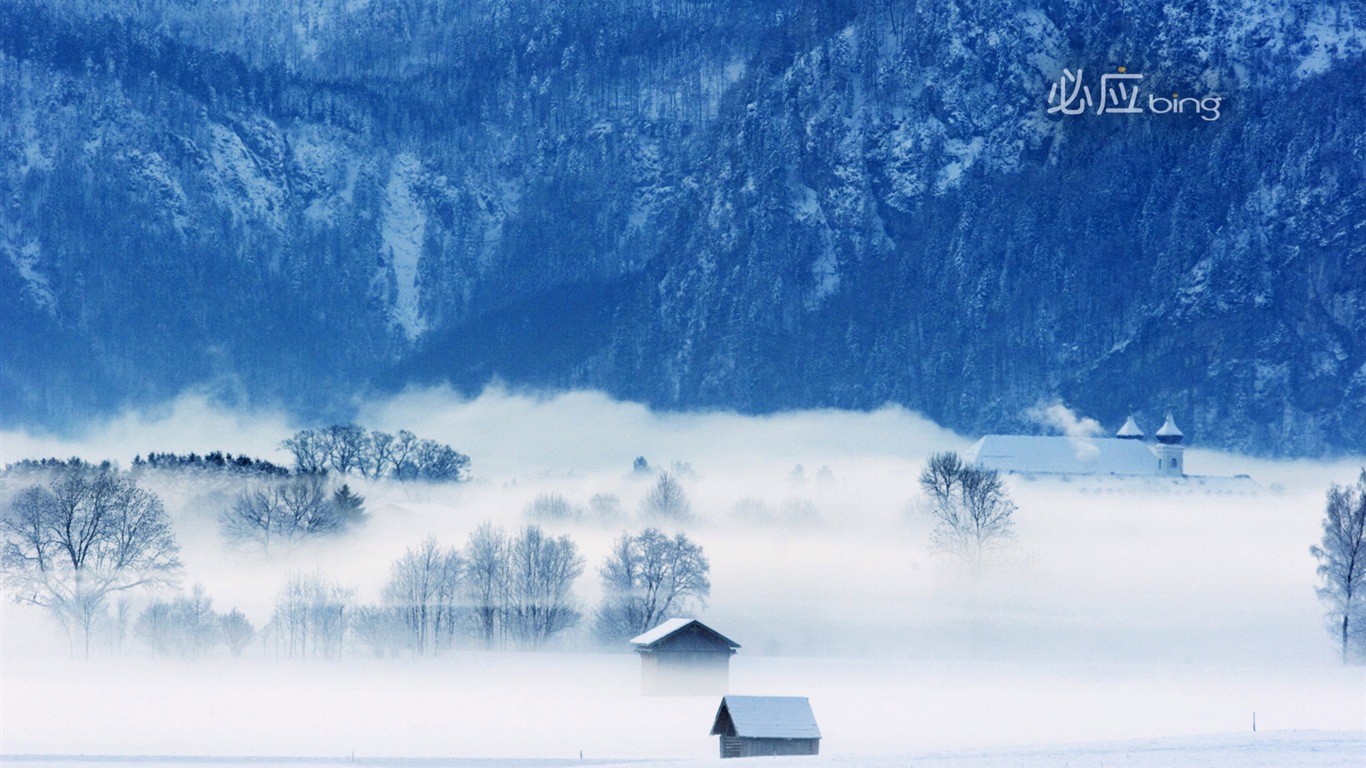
(1117,609)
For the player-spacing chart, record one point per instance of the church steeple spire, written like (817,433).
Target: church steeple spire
(1169,433)
(1130,430)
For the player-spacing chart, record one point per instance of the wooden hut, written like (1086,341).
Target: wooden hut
(760,726)
(682,657)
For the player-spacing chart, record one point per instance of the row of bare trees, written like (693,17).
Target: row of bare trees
(91,534)
(188,625)
(349,448)
(286,509)
(500,590)
(665,501)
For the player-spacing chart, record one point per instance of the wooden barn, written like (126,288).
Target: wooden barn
(684,657)
(762,726)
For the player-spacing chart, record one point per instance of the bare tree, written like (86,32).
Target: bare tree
(347,448)
(666,499)
(198,621)
(255,516)
(236,630)
(155,627)
(486,580)
(287,509)
(541,586)
(1342,564)
(310,449)
(552,506)
(441,463)
(307,506)
(404,457)
(972,510)
(423,591)
(310,617)
(381,453)
(605,507)
(186,625)
(90,533)
(646,579)
(940,476)
(380,629)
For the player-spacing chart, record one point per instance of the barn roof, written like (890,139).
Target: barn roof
(766,717)
(673,626)
(1063,455)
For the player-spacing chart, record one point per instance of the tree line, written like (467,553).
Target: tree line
(89,537)
(348,448)
(287,509)
(665,501)
(213,461)
(84,543)
(500,590)
(188,625)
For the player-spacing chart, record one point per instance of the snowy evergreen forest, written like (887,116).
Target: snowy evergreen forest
(756,206)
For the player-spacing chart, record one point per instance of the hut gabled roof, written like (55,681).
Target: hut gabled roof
(672,627)
(766,717)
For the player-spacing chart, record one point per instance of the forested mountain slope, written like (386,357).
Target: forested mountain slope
(757,206)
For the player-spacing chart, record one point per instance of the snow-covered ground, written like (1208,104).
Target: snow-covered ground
(558,705)
(1122,626)
(1297,749)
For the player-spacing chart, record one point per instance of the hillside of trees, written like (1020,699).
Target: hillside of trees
(691,204)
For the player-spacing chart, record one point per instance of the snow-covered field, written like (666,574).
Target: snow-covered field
(558,705)
(1127,625)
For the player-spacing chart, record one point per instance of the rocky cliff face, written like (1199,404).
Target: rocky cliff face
(779,205)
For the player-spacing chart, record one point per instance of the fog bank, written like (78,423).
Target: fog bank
(1119,610)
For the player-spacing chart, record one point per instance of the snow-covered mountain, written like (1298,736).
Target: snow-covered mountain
(758,206)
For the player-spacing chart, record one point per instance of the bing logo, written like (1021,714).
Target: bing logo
(1117,93)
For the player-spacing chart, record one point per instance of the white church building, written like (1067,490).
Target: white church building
(1126,454)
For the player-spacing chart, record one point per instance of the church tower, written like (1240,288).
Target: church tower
(1129,431)
(1171,460)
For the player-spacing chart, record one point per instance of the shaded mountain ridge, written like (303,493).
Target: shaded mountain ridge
(783,205)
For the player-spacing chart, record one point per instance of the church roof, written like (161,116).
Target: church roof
(1063,455)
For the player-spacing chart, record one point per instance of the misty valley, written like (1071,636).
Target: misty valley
(315,598)
(534,383)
